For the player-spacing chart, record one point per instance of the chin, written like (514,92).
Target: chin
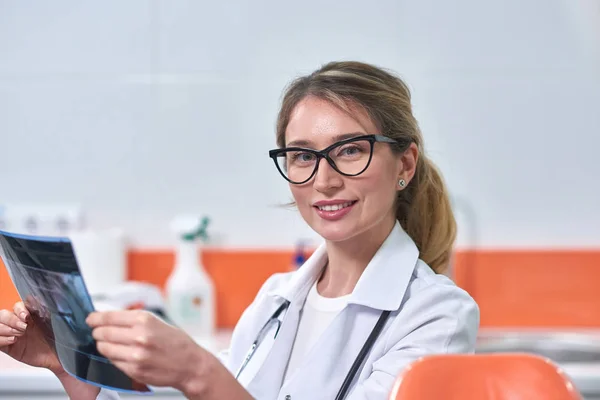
(338,231)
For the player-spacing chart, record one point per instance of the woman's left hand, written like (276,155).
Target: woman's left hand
(148,349)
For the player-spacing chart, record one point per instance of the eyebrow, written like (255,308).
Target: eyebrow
(336,138)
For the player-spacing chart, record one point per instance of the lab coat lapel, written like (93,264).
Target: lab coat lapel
(329,361)
(267,380)
(261,352)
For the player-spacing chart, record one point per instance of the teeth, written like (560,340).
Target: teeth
(335,207)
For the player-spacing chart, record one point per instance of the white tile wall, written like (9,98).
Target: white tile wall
(143,109)
(67,38)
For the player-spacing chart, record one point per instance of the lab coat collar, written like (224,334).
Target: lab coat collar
(382,284)
(297,287)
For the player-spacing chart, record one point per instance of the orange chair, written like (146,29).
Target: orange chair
(500,376)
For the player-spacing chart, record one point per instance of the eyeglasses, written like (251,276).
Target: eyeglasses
(349,157)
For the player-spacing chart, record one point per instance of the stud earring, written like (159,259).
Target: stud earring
(402,182)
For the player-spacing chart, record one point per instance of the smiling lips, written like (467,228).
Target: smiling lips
(333,210)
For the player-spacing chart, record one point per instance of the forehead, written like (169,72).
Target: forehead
(318,123)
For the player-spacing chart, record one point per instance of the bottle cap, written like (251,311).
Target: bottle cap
(190,229)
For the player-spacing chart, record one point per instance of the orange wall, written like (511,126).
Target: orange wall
(512,288)
(552,288)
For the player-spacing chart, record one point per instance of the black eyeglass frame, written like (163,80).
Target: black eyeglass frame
(372,138)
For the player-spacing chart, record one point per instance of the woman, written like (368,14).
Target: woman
(352,152)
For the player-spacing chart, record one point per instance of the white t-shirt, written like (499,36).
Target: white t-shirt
(316,315)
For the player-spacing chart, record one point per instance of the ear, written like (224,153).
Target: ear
(408,164)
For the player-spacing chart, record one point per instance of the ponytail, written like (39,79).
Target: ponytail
(425,213)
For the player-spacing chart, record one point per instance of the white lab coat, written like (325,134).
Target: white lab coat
(430,315)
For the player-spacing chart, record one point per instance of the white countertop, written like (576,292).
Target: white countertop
(585,375)
(18,379)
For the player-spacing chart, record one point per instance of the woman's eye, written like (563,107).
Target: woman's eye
(350,151)
(303,157)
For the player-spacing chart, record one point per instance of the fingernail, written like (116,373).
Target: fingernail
(15,331)
(11,339)
(23,315)
(22,325)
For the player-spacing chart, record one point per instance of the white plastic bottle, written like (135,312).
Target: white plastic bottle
(190,292)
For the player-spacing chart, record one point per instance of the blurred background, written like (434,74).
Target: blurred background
(118,116)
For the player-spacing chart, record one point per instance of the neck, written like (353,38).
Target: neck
(348,259)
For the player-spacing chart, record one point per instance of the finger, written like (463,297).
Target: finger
(21,311)
(6,331)
(119,352)
(10,319)
(113,318)
(7,341)
(119,335)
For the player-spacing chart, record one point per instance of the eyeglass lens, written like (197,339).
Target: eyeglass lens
(350,159)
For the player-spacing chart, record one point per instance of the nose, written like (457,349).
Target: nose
(327,178)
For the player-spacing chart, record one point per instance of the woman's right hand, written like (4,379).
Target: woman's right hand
(22,340)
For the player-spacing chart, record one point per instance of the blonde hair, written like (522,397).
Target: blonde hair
(423,207)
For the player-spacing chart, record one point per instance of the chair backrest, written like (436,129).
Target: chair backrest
(500,376)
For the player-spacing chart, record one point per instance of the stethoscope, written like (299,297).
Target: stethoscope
(355,366)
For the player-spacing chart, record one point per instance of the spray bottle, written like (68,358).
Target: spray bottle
(189,289)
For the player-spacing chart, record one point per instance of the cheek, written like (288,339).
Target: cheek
(300,195)
(379,189)
(302,198)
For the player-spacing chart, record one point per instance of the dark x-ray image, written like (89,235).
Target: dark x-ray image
(46,275)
